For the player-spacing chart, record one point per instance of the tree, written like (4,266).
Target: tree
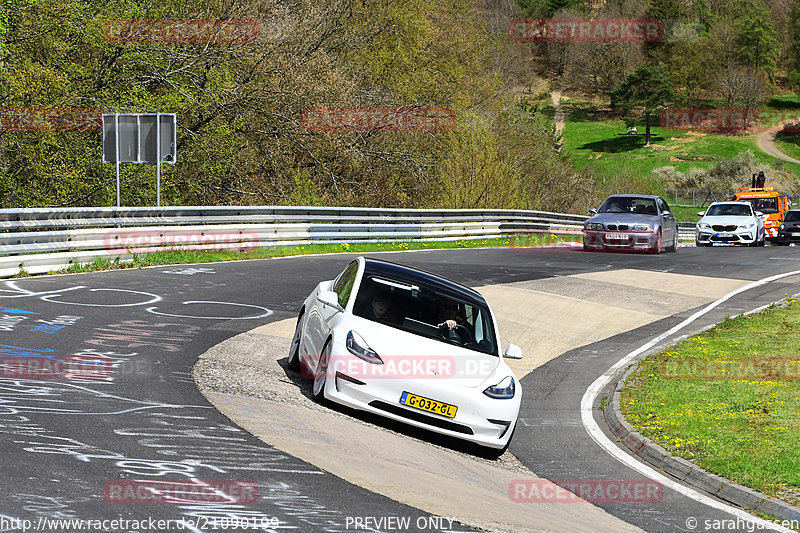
(794,47)
(644,93)
(758,43)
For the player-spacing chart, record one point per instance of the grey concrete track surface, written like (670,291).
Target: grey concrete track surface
(64,441)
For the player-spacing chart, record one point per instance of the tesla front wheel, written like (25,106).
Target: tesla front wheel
(294,351)
(321,375)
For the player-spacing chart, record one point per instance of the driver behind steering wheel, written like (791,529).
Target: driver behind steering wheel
(447,315)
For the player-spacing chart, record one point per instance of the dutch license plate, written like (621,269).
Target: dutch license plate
(426,404)
(617,236)
(795,234)
(722,235)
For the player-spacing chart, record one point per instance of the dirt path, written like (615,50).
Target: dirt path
(560,115)
(766,143)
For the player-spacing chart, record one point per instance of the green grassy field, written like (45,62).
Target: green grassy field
(721,401)
(591,138)
(789,144)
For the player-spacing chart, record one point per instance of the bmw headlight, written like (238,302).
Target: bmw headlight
(641,227)
(746,226)
(359,347)
(503,390)
(703,225)
(594,226)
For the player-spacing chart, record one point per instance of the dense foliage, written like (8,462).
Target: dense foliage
(239,105)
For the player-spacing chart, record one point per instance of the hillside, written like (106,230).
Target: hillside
(242,102)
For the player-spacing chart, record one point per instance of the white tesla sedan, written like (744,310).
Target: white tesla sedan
(730,223)
(411,346)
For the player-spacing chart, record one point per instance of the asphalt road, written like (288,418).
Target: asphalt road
(72,446)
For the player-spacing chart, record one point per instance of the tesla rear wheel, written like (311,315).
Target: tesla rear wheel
(294,351)
(320,376)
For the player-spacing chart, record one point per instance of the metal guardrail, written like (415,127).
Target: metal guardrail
(42,240)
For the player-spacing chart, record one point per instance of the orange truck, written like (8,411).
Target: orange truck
(769,202)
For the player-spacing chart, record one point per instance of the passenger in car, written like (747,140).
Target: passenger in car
(380,308)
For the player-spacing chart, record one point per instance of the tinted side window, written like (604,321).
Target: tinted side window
(662,205)
(343,285)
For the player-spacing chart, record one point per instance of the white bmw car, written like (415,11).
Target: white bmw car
(730,223)
(411,346)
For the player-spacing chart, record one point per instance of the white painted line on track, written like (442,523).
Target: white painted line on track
(594,431)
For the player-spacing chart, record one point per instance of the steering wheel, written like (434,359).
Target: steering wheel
(460,334)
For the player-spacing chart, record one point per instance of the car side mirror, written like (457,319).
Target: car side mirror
(759,214)
(331,299)
(592,211)
(701,213)
(666,213)
(513,352)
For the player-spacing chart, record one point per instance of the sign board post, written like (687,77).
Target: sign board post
(143,138)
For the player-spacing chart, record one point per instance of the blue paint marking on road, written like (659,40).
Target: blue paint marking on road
(18,312)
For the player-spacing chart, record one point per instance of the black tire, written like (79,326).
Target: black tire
(659,244)
(496,453)
(320,376)
(294,350)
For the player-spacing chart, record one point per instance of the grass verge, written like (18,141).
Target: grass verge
(177,256)
(728,400)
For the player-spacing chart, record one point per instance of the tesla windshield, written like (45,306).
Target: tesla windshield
(425,311)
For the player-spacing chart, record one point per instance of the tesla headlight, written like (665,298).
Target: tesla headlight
(594,225)
(359,347)
(703,225)
(746,226)
(502,391)
(641,227)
